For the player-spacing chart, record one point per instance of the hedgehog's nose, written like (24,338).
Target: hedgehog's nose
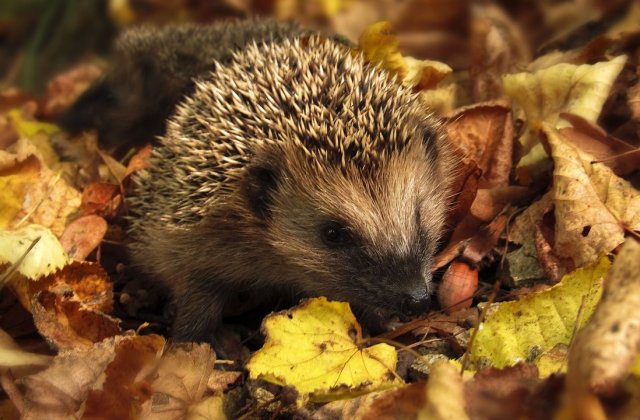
(416,301)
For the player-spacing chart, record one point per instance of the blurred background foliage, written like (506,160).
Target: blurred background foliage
(40,38)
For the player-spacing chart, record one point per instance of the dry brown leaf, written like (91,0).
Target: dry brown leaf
(65,88)
(619,155)
(546,93)
(606,348)
(464,187)
(70,305)
(488,204)
(380,46)
(183,381)
(59,391)
(116,169)
(485,133)
(592,205)
(68,325)
(122,393)
(101,198)
(504,393)
(140,160)
(82,236)
(62,390)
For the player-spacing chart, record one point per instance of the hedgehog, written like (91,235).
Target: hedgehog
(293,168)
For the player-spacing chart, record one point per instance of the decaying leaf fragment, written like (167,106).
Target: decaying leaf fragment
(606,348)
(317,348)
(522,330)
(70,307)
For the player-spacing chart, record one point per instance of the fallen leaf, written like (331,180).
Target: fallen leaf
(82,236)
(317,348)
(592,205)
(116,169)
(485,132)
(524,329)
(606,348)
(46,256)
(139,161)
(29,128)
(46,198)
(14,182)
(502,394)
(620,156)
(66,87)
(70,307)
(62,390)
(479,224)
(102,199)
(68,325)
(180,384)
(543,95)
(122,393)
(380,46)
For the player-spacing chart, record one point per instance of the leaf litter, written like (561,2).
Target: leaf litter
(545,126)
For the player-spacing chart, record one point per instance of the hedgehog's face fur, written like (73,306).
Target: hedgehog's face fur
(357,232)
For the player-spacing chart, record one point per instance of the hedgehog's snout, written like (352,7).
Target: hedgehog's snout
(416,300)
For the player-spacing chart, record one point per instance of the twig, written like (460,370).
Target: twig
(14,267)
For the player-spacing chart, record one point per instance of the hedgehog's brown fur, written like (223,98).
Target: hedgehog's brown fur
(268,151)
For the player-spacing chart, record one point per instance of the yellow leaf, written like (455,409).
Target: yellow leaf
(316,347)
(45,198)
(605,350)
(543,95)
(28,128)
(45,257)
(380,46)
(332,7)
(13,188)
(521,330)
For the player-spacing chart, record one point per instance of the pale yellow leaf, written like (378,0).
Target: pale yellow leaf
(317,348)
(524,329)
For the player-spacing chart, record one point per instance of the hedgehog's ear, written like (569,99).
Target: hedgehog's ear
(260,184)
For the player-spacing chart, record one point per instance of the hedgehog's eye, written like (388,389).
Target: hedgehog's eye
(334,234)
